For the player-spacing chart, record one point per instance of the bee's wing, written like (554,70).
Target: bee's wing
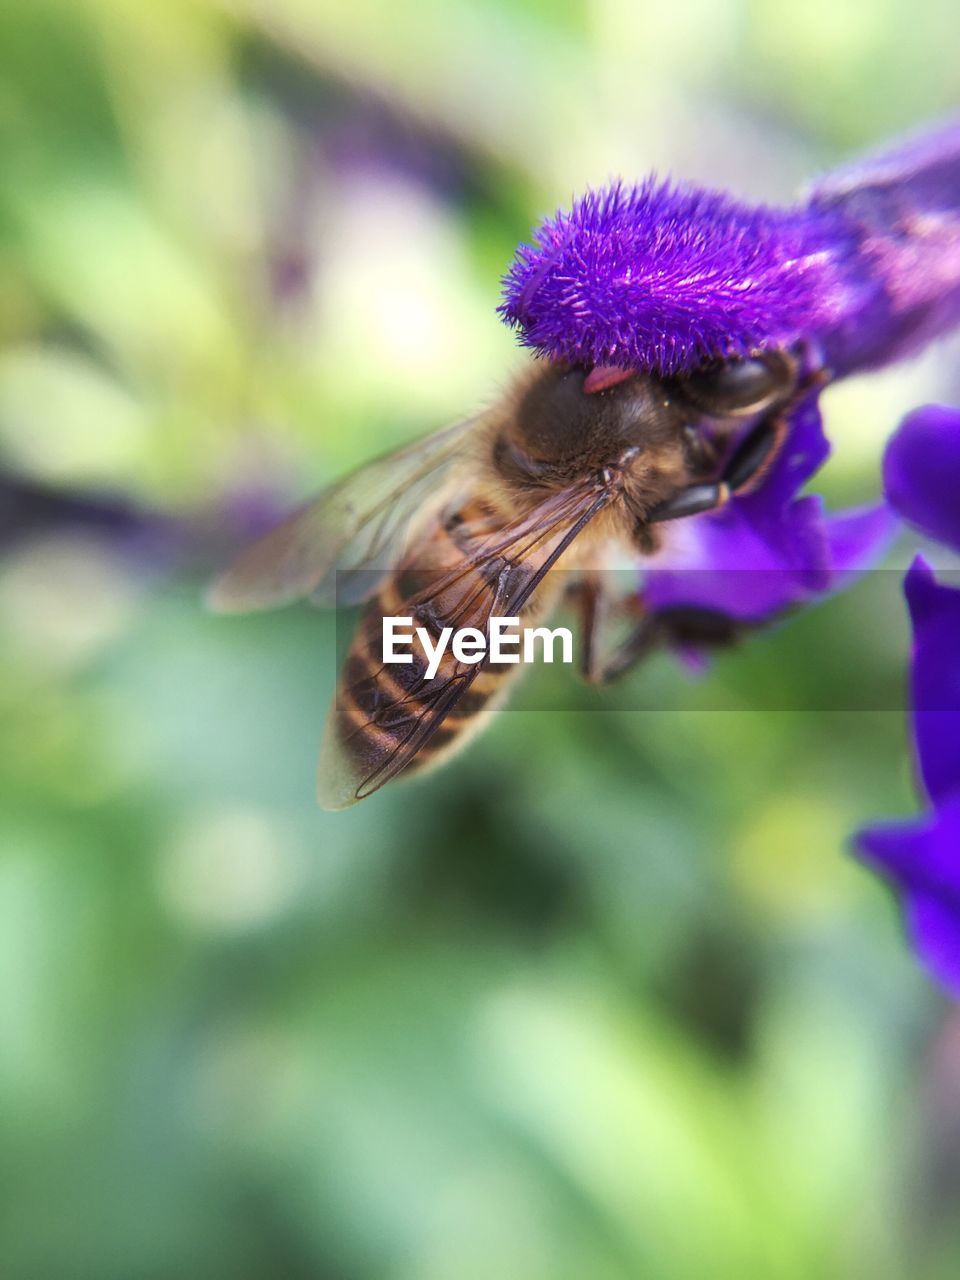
(338,547)
(496,578)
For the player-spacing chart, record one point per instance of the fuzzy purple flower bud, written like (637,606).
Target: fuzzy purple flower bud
(662,277)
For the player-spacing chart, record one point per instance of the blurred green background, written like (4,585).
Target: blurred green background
(607,998)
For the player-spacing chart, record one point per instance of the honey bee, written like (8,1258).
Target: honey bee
(467,524)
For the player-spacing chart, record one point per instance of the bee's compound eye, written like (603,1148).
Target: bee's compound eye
(739,386)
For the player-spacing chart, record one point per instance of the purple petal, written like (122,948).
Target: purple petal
(803,455)
(857,539)
(921,472)
(901,211)
(935,678)
(935,929)
(728,564)
(925,164)
(922,860)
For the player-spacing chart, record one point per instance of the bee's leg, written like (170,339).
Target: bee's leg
(683,626)
(747,466)
(596,606)
(700,450)
(585,596)
(690,626)
(755,455)
(643,640)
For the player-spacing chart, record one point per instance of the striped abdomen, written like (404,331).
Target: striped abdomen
(391,717)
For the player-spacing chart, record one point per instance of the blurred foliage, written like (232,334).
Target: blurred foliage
(604,999)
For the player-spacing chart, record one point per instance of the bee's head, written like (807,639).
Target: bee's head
(569,416)
(563,418)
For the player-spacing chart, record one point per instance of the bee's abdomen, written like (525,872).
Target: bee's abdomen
(384,708)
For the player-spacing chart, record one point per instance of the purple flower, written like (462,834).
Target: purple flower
(662,277)
(922,858)
(900,208)
(921,472)
(865,270)
(770,550)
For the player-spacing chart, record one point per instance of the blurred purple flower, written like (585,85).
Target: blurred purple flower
(921,472)
(663,277)
(922,858)
(149,540)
